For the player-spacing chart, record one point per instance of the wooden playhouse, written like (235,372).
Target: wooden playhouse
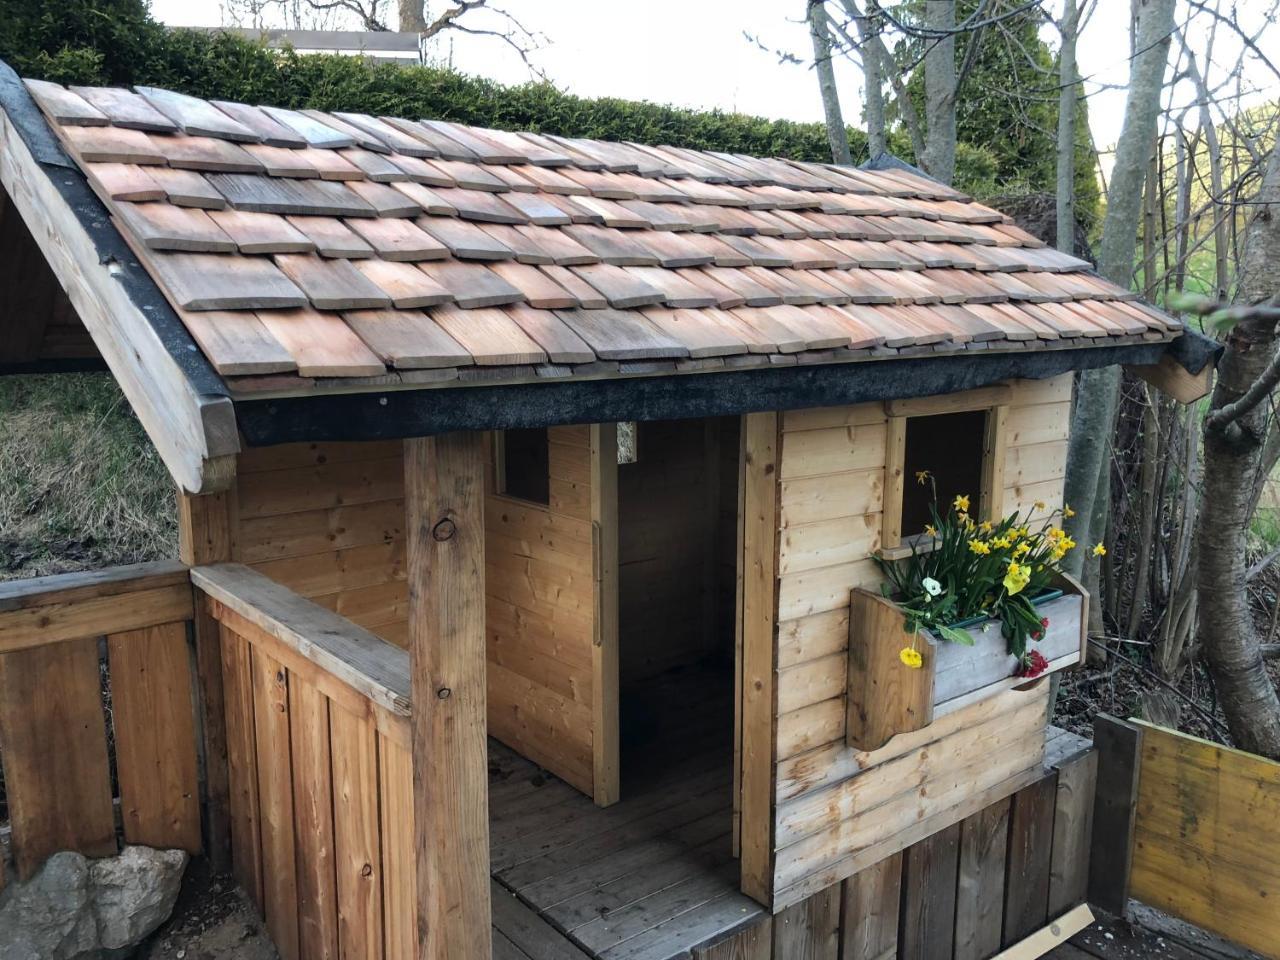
(523,483)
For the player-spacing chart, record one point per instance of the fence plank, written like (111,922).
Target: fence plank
(1072,830)
(242,766)
(753,943)
(399,889)
(1115,800)
(275,796)
(152,713)
(926,927)
(1026,905)
(809,930)
(53,737)
(980,891)
(869,930)
(355,815)
(313,820)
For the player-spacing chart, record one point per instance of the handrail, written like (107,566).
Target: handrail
(361,660)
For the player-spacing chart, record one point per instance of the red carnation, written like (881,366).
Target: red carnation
(1033,664)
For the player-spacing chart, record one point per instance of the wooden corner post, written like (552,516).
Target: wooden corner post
(444,504)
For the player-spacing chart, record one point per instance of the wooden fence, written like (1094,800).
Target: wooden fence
(1189,827)
(97,717)
(320,772)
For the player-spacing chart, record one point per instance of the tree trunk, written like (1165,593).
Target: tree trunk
(1233,457)
(1094,417)
(1066,168)
(873,45)
(939,159)
(820,33)
(413,16)
(873,94)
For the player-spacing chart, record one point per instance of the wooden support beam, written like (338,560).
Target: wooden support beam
(204,537)
(444,502)
(1119,746)
(1174,380)
(605,746)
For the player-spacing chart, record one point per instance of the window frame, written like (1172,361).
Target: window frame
(500,471)
(995,401)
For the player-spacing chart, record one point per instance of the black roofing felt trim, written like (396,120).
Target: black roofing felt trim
(1193,350)
(93,216)
(409,413)
(887,161)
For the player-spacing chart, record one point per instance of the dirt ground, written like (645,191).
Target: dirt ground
(213,920)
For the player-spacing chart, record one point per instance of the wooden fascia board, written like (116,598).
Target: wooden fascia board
(193,429)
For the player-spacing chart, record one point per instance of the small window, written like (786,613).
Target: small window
(524,465)
(950,446)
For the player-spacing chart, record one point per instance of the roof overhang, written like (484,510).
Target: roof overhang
(181,402)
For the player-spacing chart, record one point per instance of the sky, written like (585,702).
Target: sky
(725,54)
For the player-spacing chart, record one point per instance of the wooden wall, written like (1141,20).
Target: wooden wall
(965,892)
(675,555)
(828,806)
(541,619)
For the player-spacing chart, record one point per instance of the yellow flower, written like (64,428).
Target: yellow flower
(969,525)
(1024,531)
(911,657)
(1021,548)
(985,526)
(979,547)
(1057,533)
(961,502)
(930,530)
(1016,577)
(1099,550)
(1066,543)
(922,476)
(1001,543)
(1068,512)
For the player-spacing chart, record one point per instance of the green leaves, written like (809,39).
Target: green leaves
(955,635)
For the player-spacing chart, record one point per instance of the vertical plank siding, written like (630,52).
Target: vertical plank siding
(65,642)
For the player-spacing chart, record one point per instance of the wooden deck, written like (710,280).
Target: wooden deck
(645,879)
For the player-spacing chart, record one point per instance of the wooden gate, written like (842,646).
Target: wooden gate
(97,717)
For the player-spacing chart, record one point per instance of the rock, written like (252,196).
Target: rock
(50,917)
(134,893)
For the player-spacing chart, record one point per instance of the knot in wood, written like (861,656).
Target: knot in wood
(444,530)
(366,870)
(444,693)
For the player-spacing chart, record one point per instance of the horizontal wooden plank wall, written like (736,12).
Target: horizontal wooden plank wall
(1205,847)
(832,483)
(540,615)
(321,801)
(327,521)
(54,671)
(965,892)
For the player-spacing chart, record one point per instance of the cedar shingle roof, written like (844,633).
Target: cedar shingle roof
(297,245)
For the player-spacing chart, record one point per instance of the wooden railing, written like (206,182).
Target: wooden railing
(1188,826)
(66,642)
(317,719)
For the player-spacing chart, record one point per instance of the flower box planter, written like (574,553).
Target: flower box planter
(886,697)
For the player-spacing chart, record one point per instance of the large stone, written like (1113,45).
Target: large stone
(50,917)
(134,893)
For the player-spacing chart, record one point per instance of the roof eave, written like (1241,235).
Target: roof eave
(182,403)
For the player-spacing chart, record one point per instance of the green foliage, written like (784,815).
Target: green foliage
(117,42)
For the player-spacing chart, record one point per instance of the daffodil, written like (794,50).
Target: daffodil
(911,657)
(1021,548)
(922,476)
(930,530)
(986,526)
(1068,512)
(1099,550)
(1001,543)
(1066,543)
(961,503)
(980,547)
(1016,577)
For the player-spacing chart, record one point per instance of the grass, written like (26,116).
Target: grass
(80,484)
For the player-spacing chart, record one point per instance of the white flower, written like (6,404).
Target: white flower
(931,586)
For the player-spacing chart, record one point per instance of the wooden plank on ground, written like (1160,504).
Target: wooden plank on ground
(275,796)
(533,936)
(980,890)
(927,922)
(356,834)
(153,714)
(1115,801)
(1072,832)
(809,930)
(1026,905)
(242,765)
(869,917)
(53,736)
(444,502)
(1049,936)
(313,803)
